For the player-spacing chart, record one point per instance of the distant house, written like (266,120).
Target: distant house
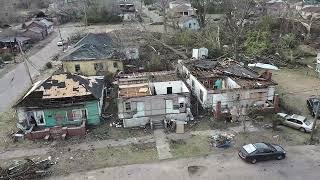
(63,104)
(152,98)
(182,10)
(176,3)
(35,33)
(94,55)
(275,7)
(188,23)
(45,25)
(11,44)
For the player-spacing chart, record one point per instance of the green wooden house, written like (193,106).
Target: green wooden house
(63,100)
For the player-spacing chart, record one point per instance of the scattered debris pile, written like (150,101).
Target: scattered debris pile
(27,169)
(222,140)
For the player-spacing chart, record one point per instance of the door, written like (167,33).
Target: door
(140,109)
(169,106)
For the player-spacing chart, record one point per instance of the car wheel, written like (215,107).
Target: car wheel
(302,130)
(253,161)
(280,157)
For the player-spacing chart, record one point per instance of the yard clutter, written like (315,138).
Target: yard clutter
(222,140)
(28,169)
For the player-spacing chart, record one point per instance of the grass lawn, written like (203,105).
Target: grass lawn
(284,136)
(196,145)
(78,160)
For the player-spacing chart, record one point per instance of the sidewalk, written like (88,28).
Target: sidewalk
(159,137)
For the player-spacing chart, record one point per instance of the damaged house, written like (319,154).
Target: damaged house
(152,98)
(227,84)
(61,105)
(95,54)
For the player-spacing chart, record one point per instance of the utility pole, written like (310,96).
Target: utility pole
(85,13)
(314,123)
(25,63)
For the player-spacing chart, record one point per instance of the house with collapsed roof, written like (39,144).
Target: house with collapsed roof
(227,84)
(95,54)
(181,8)
(61,105)
(152,98)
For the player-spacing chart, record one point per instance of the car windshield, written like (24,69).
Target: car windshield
(249,148)
(307,122)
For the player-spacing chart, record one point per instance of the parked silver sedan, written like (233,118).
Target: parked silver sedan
(296,121)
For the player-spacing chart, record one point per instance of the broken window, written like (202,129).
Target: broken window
(128,106)
(192,84)
(98,66)
(77,67)
(39,117)
(201,95)
(115,65)
(169,90)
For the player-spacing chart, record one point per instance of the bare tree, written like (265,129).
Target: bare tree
(163,5)
(237,13)
(201,6)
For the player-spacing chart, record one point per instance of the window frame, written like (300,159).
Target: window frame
(76,67)
(37,120)
(126,107)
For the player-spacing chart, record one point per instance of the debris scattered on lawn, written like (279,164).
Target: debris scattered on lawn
(27,169)
(222,140)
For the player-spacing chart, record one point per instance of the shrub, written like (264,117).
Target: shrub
(49,65)
(7,57)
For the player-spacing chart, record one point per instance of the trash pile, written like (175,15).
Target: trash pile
(222,140)
(27,169)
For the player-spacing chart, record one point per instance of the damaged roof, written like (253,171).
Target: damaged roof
(69,88)
(158,76)
(138,84)
(94,46)
(244,76)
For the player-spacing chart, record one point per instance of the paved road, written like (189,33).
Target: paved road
(16,82)
(303,162)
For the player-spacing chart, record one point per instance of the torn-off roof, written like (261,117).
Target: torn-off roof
(63,86)
(94,46)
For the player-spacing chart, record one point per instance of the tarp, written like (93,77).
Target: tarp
(264,66)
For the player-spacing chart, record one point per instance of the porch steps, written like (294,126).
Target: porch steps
(157,122)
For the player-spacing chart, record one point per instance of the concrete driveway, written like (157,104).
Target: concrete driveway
(303,162)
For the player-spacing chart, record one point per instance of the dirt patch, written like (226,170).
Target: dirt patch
(196,170)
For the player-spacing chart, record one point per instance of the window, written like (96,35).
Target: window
(115,65)
(189,25)
(77,115)
(181,105)
(98,66)
(298,122)
(169,90)
(192,84)
(39,117)
(128,106)
(201,95)
(176,107)
(77,67)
